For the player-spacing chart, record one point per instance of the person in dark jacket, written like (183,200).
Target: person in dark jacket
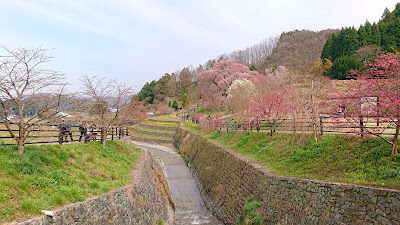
(68,130)
(83,130)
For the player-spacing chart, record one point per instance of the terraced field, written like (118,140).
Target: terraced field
(155,130)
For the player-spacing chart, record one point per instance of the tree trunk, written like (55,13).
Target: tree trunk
(21,146)
(294,123)
(313,113)
(21,139)
(315,131)
(395,149)
(104,137)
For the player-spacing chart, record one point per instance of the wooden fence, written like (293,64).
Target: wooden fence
(323,124)
(51,134)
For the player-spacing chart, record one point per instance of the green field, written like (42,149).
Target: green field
(161,123)
(49,176)
(340,158)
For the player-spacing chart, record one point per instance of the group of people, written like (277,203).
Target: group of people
(87,132)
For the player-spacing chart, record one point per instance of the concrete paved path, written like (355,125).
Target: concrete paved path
(189,206)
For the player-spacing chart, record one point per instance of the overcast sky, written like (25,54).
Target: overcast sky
(139,41)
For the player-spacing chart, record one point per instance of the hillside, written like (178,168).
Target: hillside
(297,48)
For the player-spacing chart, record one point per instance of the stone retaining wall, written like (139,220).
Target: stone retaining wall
(147,201)
(151,140)
(226,180)
(160,134)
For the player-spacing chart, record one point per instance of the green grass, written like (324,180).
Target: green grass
(153,130)
(149,136)
(49,176)
(201,110)
(341,158)
(165,124)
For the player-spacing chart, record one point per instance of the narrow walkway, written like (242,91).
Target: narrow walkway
(189,206)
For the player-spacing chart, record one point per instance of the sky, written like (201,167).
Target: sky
(137,41)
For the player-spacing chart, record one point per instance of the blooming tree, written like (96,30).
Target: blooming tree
(214,83)
(273,104)
(371,104)
(239,96)
(211,122)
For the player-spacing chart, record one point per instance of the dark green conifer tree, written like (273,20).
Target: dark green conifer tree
(368,29)
(376,36)
(362,36)
(175,104)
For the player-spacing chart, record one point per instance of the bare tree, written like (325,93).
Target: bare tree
(25,85)
(109,97)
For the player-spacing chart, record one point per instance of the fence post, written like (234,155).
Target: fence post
(321,128)
(235,126)
(362,126)
(101,134)
(227,127)
(112,133)
(127,132)
(119,136)
(60,135)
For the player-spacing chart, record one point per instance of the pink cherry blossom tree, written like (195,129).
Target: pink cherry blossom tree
(273,104)
(214,83)
(371,104)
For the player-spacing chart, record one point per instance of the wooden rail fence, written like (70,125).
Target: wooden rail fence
(48,134)
(331,124)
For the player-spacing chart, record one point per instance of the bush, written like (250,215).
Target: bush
(249,215)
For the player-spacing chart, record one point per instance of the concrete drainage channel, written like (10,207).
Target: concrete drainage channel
(189,206)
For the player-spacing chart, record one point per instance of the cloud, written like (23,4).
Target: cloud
(164,18)
(61,15)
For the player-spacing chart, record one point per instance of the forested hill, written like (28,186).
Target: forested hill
(298,48)
(348,48)
(293,50)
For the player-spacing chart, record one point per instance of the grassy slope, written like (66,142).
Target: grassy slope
(164,118)
(148,136)
(53,175)
(342,158)
(153,130)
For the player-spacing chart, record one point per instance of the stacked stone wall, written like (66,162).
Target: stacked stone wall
(226,180)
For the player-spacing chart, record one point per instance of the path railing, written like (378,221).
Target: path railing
(323,124)
(51,134)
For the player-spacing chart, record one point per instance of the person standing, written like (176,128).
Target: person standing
(68,129)
(83,130)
